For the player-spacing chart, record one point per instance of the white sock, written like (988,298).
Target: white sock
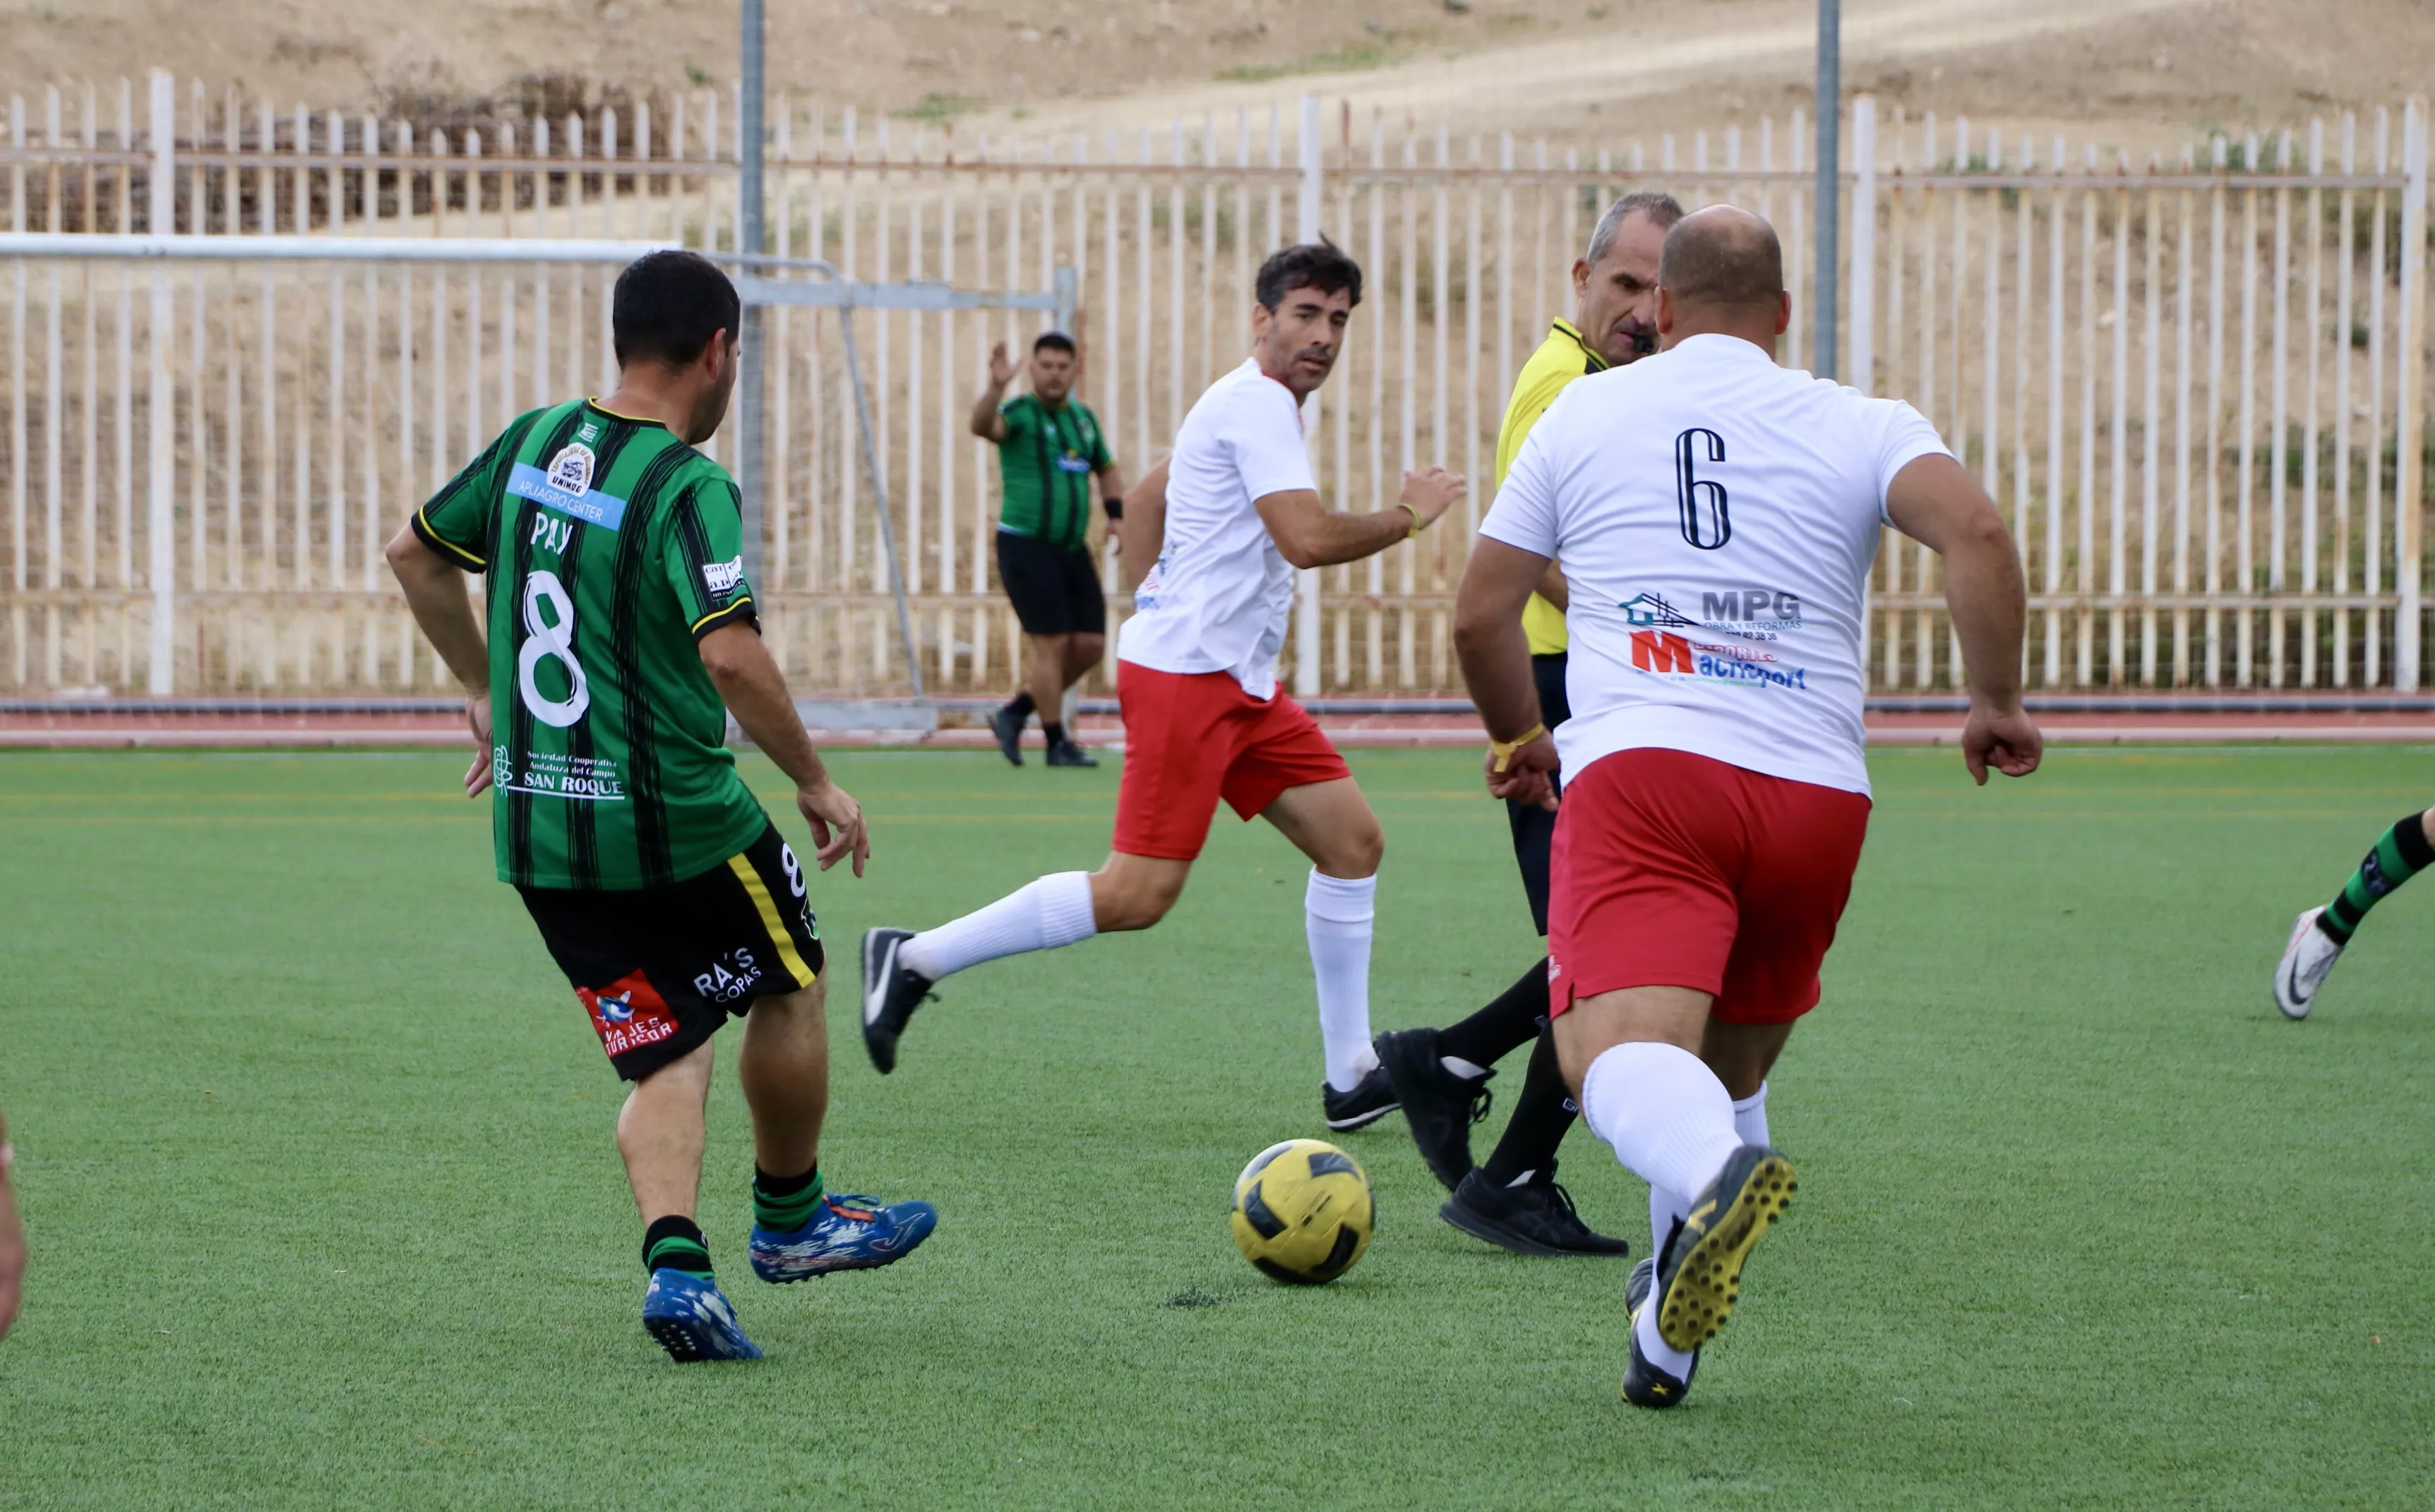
(1653,1346)
(1667,1117)
(1667,1208)
(1048,913)
(1750,1117)
(1336,916)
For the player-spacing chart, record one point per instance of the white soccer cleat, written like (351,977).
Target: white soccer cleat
(2306,960)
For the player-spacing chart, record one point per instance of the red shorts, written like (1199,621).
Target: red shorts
(1192,738)
(1672,869)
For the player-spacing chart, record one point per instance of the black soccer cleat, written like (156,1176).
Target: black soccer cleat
(891,992)
(1371,1098)
(1007,726)
(1440,1106)
(1065,753)
(1644,1385)
(1534,1217)
(1698,1276)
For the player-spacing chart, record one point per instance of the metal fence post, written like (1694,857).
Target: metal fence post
(159,420)
(1830,182)
(2409,483)
(751,473)
(1863,314)
(1307,679)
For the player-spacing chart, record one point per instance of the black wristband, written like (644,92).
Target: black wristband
(1114,504)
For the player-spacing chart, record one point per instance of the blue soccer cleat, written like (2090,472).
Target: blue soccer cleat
(692,1320)
(846,1232)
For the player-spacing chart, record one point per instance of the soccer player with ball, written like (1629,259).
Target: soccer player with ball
(1196,681)
(621,634)
(1716,517)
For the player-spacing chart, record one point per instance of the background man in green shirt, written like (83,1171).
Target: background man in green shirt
(620,634)
(1050,453)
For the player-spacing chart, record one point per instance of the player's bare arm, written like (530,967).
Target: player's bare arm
(754,691)
(986,422)
(1309,534)
(1934,502)
(1494,654)
(435,591)
(1111,482)
(1142,533)
(12,1241)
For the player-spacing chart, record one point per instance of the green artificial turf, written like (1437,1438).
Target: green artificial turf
(315,1154)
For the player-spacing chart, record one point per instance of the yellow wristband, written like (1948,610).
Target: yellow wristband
(1418,523)
(1503,749)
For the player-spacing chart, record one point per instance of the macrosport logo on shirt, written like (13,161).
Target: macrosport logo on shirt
(627,1014)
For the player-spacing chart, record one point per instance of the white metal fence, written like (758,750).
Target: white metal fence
(2197,386)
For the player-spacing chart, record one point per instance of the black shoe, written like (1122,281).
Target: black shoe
(1698,1276)
(891,992)
(1646,1385)
(1007,726)
(1441,1105)
(1636,1285)
(1371,1098)
(1065,753)
(1534,1218)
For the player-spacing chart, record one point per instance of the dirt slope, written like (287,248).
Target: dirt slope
(2152,71)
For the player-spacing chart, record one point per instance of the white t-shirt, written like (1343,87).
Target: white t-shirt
(1218,598)
(1716,516)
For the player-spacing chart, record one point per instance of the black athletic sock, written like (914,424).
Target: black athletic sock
(782,1204)
(1543,1115)
(1506,1025)
(2400,853)
(1021,705)
(675,1244)
(1054,734)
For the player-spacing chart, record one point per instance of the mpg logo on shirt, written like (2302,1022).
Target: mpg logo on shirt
(1667,642)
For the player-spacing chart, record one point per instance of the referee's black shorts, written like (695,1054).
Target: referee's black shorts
(1534,828)
(1055,589)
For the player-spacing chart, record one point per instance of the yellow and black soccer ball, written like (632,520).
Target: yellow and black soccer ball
(1302,1213)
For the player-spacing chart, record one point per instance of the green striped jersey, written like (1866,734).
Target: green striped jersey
(609,548)
(1045,466)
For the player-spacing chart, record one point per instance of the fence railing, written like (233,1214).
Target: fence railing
(2197,385)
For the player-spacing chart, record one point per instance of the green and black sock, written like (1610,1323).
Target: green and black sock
(675,1244)
(2400,856)
(782,1204)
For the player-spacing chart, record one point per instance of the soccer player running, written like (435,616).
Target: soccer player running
(1195,681)
(621,633)
(1440,1075)
(2318,936)
(1716,516)
(1050,452)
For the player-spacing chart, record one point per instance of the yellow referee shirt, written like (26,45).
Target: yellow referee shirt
(1562,357)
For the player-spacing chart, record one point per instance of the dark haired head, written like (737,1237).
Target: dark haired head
(1320,265)
(667,307)
(1053,341)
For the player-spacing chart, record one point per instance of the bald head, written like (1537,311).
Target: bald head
(1722,260)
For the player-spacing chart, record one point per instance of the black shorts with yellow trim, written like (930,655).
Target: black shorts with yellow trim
(659,969)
